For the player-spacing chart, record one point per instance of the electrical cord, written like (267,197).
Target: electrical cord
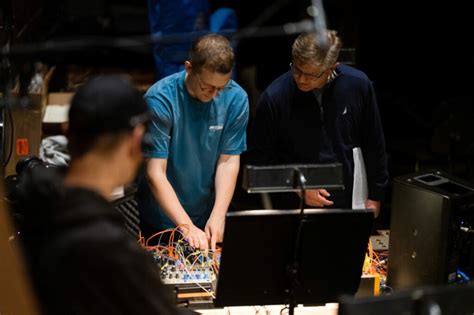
(10,147)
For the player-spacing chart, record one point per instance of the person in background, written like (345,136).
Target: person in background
(80,257)
(198,129)
(321,111)
(175,24)
(174,18)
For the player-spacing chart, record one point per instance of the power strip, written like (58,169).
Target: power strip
(379,242)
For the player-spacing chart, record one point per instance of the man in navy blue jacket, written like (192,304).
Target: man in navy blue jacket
(321,111)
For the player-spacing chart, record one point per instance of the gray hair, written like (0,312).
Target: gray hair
(307,48)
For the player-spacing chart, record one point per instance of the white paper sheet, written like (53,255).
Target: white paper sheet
(360,190)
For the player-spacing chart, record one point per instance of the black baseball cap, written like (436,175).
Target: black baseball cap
(106,104)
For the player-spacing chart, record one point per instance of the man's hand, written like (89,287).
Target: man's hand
(195,236)
(215,229)
(374,205)
(317,198)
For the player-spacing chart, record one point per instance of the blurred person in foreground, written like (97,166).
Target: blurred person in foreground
(80,257)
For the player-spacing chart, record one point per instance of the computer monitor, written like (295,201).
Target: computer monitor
(393,304)
(453,300)
(259,245)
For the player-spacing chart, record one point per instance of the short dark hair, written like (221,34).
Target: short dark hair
(105,107)
(212,52)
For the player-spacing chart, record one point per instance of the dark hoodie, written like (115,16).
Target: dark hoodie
(80,257)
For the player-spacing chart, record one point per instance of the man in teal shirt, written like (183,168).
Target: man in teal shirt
(198,131)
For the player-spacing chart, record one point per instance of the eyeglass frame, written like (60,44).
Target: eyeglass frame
(211,88)
(311,76)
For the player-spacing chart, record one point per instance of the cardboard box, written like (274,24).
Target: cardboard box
(23,125)
(59,98)
(22,130)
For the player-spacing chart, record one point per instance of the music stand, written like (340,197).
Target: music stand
(259,245)
(293,177)
(284,178)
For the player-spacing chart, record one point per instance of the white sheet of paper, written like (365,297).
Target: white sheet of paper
(360,190)
(56,114)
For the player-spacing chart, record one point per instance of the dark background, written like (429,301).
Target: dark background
(417,54)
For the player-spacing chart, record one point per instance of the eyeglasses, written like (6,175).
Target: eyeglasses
(210,88)
(311,76)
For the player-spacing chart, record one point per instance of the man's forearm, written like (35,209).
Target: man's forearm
(225,180)
(164,192)
(166,197)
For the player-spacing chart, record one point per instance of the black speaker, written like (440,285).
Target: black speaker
(431,230)
(127,206)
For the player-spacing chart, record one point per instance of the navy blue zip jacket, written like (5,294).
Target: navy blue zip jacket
(292,126)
